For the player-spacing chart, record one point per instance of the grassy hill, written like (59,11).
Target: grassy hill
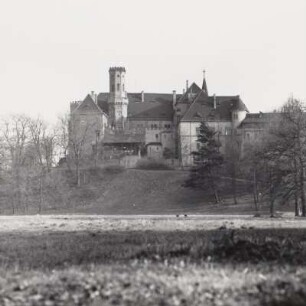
(148,192)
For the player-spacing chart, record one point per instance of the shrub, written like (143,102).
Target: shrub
(152,164)
(113,169)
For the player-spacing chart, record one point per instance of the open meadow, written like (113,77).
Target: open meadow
(152,260)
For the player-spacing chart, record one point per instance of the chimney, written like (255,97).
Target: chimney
(142,96)
(174,97)
(93,96)
(187,85)
(215,101)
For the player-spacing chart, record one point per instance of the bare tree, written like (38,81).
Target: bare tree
(281,156)
(292,135)
(43,141)
(79,146)
(15,141)
(233,160)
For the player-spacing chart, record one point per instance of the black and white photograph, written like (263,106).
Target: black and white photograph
(153,152)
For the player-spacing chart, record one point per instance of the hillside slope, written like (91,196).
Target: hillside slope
(148,192)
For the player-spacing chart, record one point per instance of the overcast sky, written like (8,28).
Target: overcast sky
(56,51)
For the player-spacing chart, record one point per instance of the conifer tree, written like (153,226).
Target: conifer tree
(207,160)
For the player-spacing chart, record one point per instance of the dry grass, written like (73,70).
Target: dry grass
(97,261)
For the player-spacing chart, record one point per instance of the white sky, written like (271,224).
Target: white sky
(56,51)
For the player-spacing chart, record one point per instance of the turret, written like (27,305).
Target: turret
(117,98)
(238,112)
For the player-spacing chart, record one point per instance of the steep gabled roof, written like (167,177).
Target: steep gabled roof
(259,120)
(193,90)
(88,104)
(136,97)
(102,101)
(204,85)
(151,97)
(202,108)
(155,105)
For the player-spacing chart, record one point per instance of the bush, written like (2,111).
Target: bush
(152,164)
(113,169)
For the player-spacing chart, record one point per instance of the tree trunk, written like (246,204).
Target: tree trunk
(213,187)
(78,172)
(272,198)
(234,185)
(40,193)
(296,191)
(255,191)
(272,208)
(302,187)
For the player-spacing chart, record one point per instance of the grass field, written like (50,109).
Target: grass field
(94,260)
(134,191)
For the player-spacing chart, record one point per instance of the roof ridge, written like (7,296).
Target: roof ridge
(88,96)
(192,103)
(187,91)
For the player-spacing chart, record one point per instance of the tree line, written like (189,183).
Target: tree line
(272,166)
(31,151)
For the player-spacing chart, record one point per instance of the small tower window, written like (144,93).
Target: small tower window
(113,87)
(118,87)
(123,87)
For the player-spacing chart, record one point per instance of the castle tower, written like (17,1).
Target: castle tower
(204,85)
(117,98)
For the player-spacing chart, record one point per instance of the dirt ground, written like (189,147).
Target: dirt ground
(47,223)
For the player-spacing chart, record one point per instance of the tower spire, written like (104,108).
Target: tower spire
(204,85)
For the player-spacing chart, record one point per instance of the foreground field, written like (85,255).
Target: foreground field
(60,260)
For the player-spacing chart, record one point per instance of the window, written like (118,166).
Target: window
(123,87)
(228,131)
(118,87)
(198,131)
(113,87)
(156,136)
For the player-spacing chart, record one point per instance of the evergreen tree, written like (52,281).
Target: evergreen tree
(207,161)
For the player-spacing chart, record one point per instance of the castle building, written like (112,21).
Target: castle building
(157,124)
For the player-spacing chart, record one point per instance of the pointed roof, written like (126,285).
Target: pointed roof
(204,85)
(202,108)
(88,104)
(192,91)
